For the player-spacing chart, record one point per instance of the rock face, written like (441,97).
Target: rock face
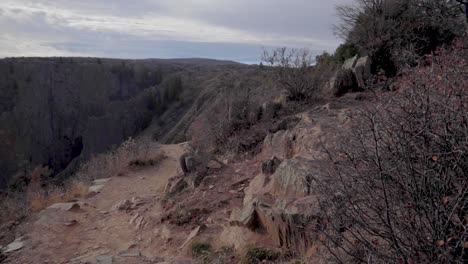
(54,110)
(283,205)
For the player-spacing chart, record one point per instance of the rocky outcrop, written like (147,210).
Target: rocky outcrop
(352,76)
(283,206)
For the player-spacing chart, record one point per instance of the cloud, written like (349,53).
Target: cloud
(118,28)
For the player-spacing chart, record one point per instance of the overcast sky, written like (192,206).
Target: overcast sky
(220,29)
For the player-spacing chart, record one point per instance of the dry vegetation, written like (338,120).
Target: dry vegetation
(400,195)
(132,154)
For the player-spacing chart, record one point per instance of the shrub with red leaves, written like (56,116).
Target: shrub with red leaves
(400,195)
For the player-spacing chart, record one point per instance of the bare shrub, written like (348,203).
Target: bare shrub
(292,70)
(398,192)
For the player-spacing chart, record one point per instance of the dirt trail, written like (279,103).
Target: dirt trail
(96,231)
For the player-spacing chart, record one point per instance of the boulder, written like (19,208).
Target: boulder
(65,206)
(294,178)
(342,82)
(187,163)
(352,76)
(362,71)
(15,245)
(291,226)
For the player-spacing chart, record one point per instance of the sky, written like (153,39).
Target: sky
(134,29)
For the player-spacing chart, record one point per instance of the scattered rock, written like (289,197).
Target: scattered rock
(191,236)
(71,223)
(66,207)
(15,245)
(241,182)
(181,261)
(95,188)
(104,260)
(130,255)
(138,220)
(122,206)
(101,181)
(211,187)
(155,259)
(214,165)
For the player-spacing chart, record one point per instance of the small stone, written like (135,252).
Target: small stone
(211,187)
(95,188)
(155,259)
(65,206)
(191,236)
(71,223)
(101,181)
(213,164)
(131,255)
(123,205)
(232,191)
(16,245)
(104,260)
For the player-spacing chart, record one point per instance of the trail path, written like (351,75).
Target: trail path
(96,232)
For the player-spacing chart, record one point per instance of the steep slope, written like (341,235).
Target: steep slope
(57,112)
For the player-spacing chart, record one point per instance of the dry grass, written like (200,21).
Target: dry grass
(131,154)
(40,199)
(119,161)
